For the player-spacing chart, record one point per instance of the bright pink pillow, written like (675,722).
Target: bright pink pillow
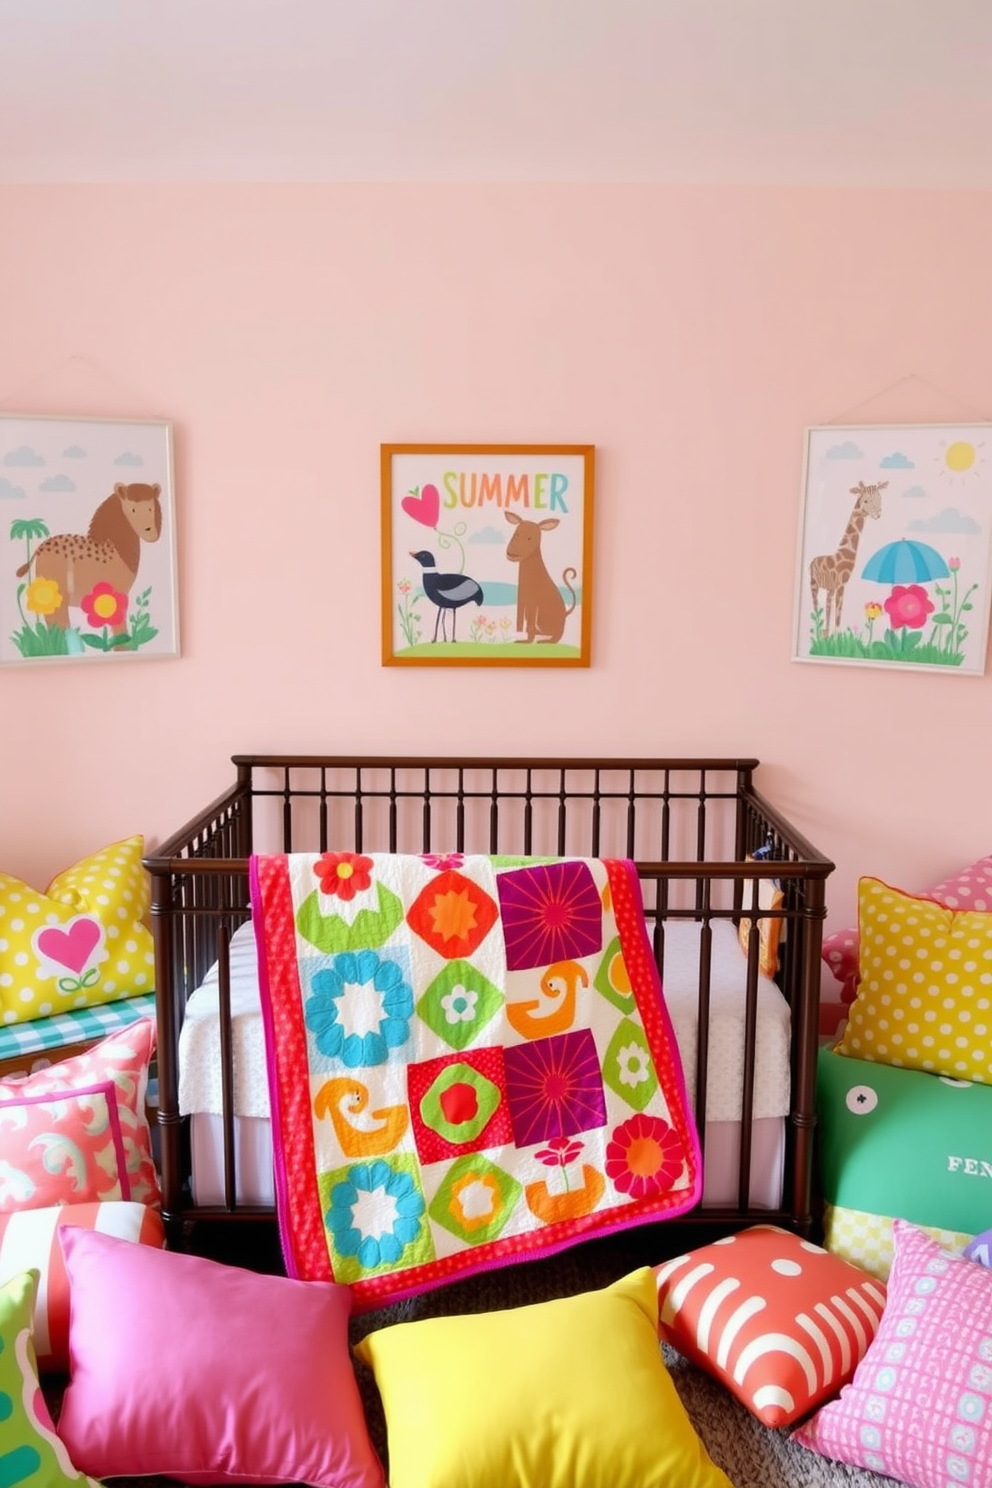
(184,1368)
(969,889)
(123,1059)
(919,1408)
(61,1149)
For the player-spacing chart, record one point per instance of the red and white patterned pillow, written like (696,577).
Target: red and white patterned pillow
(778,1320)
(122,1060)
(29,1241)
(62,1149)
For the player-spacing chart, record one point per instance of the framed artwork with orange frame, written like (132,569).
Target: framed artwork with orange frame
(487,554)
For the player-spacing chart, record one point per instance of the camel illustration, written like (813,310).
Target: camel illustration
(831,571)
(540,606)
(110,551)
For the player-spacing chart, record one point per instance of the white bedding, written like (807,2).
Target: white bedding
(199,1043)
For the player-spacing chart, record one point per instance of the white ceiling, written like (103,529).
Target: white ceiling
(822,92)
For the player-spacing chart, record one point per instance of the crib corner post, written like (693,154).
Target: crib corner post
(807,1014)
(168,1119)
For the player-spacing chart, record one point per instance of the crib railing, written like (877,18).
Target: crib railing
(692,826)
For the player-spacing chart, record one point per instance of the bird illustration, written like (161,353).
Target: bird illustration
(449,591)
(554,1010)
(361,1132)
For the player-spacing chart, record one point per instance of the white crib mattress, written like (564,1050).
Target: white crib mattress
(199,1042)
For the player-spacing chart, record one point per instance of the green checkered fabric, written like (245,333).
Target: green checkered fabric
(63,1029)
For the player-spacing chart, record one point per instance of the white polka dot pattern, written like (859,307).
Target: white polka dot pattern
(925,996)
(969,889)
(82,942)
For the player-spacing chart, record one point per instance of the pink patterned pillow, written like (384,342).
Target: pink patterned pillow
(122,1059)
(969,889)
(920,1405)
(61,1149)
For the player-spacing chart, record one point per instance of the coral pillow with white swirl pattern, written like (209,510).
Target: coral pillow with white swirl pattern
(780,1321)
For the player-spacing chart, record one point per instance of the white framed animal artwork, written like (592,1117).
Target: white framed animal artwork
(894,564)
(87,541)
(487,554)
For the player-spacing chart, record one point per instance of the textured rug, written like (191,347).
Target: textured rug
(752,1455)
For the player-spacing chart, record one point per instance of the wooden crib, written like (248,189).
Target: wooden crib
(706,844)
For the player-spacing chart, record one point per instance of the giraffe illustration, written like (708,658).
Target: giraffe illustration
(831,571)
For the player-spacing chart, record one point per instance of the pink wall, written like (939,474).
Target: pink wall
(690,334)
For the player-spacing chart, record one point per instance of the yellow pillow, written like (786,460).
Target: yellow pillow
(770,896)
(561,1393)
(81,942)
(925,991)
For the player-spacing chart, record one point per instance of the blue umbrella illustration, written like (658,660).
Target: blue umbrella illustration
(905,562)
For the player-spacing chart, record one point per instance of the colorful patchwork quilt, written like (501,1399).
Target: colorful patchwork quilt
(470,1063)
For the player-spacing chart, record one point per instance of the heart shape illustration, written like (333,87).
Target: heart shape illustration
(71,947)
(423,508)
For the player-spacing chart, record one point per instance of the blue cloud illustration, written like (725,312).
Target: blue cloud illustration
(896,461)
(9,492)
(846,451)
(57,483)
(488,535)
(914,491)
(948,520)
(129,458)
(74,452)
(24,455)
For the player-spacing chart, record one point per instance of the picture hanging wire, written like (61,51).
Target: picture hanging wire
(845,416)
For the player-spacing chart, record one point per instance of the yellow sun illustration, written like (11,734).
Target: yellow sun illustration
(960,459)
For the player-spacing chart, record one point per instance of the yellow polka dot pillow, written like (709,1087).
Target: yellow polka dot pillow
(925,992)
(81,942)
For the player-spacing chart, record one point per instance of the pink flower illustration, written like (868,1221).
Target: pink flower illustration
(559,1152)
(104,605)
(909,605)
(441,861)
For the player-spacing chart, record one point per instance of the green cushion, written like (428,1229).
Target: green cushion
(904,1143)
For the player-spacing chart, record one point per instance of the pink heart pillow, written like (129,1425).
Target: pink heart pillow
(82,942)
